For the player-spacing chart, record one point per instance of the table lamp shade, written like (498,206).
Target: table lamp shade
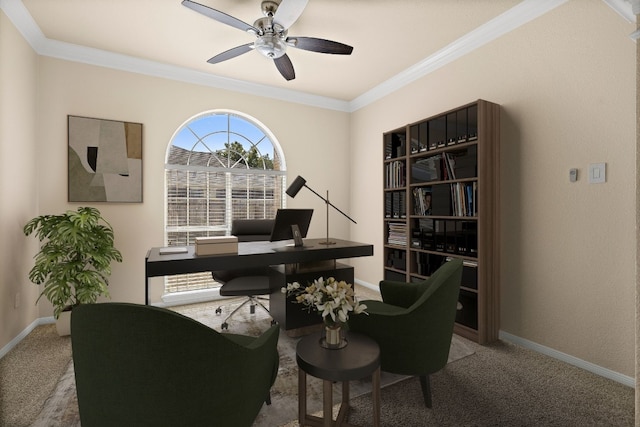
(295,186)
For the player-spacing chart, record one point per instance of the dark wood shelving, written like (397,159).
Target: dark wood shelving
(441,182)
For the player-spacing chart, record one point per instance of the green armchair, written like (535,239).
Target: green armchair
(139,365)
(414,323)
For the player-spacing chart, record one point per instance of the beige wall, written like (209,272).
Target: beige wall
(18,179)
(314,141)
(566,82)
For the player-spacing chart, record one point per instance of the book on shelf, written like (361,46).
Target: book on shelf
(394,174)
(422,201)
(450,165)
(462,199)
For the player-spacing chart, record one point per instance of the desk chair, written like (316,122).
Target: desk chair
(249,282)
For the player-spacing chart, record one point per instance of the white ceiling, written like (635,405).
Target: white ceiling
(394,41)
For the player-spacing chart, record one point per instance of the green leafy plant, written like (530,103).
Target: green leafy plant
(74,263)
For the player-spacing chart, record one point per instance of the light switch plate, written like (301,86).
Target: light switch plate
(597,173)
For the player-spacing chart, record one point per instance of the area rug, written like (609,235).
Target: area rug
(61,408)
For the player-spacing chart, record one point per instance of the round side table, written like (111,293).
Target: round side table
(360,358)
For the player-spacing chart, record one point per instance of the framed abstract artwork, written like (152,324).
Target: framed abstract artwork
(105,160)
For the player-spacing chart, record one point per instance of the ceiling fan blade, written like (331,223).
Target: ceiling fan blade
(220,16)
(284,65)
(231,53)
(288,12)
(319,45)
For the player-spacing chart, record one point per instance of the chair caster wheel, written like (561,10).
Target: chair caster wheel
(219,311)
(224,326)
(273,322)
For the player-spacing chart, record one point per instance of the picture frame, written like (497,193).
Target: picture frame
(104,160)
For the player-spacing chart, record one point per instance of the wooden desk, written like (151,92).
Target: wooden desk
(250,254)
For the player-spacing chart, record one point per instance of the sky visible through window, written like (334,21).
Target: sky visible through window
(197,135)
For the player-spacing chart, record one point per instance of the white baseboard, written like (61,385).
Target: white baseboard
(14,342)
(214,294)
(367,285)
(583,364)
(190,297)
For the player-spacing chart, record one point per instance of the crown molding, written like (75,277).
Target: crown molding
(504,23)
(624,8)
(87,55)
(510,20)
(22,20)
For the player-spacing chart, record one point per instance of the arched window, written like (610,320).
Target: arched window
(220,165)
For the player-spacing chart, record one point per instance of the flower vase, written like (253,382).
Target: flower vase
(333,337)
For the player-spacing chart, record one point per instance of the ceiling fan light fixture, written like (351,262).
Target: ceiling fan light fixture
(271,34)
(271,46)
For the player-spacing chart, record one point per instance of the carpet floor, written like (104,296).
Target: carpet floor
(498,385)
(60,409)
(503,384)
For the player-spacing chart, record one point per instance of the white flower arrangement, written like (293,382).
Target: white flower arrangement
(333,299)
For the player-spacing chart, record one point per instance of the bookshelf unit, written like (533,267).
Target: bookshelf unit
(441,200)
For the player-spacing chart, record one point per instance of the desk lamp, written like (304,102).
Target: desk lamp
(295,187)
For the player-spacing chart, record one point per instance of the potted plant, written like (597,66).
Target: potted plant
(74,263)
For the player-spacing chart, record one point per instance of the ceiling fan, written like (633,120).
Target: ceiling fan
(271,34)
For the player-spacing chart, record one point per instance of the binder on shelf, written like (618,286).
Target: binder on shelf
(466,162)
(452,128)
(441,200)
(472,122)
(414,131)
(437,132)
(388,204)
(394,145)
(469,274)
(461,119)
(424,136)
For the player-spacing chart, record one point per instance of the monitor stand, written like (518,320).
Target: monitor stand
(297,237)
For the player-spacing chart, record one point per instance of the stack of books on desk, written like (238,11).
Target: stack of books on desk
(216,245)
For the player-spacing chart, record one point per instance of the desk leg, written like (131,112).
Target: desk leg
(302,396)
(327,406)
(375,394)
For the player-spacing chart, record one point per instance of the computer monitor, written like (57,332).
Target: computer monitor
(291,224)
